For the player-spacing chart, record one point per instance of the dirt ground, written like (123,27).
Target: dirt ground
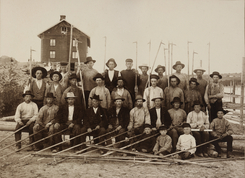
(75,168)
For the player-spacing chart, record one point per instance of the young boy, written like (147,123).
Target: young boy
(163,144)
(222,128)
(147,145)
(186,141)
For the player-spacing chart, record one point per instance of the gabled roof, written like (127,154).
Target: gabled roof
(88,38)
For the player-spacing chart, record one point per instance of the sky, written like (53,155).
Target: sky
(123,22)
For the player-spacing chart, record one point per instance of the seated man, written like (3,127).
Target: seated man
(139,116)
(146,146)
(118,118)
(178,117)
(96,119)
(198,120)
(163,144)
(69,116)
(222,128)
(186,141)
(45,119)
(25,114)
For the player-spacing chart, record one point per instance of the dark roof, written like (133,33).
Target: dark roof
(88,38)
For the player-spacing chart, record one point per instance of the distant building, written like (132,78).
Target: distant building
(55,43)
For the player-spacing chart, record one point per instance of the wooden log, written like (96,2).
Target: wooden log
(236,146)
(8,118)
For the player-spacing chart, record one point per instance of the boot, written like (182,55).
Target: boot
(229,154)
(17,148)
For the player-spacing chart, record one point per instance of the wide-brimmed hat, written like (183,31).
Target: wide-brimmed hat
(35,69)
(159,97)
(70,95)
(215,73)
(55,72)
(194,80)
(221,109)
(74,76)
(98,75)
(120,78)
(144,65)
(28,92)
(88,59)
(119,98)
(197,103)
(154,76)
(159,66)
(63,64)
(162,127)
(139,97)
(147,126)
(174,76)
(50,95)
(129,60)
(96,97)
(186,125)
(111,60)
(178,63)
(176,99)
(199,68)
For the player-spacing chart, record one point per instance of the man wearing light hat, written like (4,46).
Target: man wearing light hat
(178,66)
(143,78)
(163,80)
(152,92)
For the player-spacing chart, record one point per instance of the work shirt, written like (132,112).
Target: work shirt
(150,93)
(178,116)
(104,95)
(88,82)
(185,142)
(47,114)
(26,111)
(220,126)
(197,120)
(163,143)
(192,95)
(138,117)
(202,86)
(216,89)
(170,93)
(183,80)
(142,85)
(122,92)
(162,82)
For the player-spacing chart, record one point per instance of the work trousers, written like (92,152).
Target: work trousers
(39,103)
(28,129)
(214,109)
(45,133)
(117,139)
(86,93)
(96,133)
(228,139)
(201,137)
(174,133)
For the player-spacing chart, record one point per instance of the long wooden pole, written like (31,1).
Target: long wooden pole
(243,81)
(193,63)
(165,61)
(70,50)
(169,73)
(208,58)
(105,55)
(149,83)
(156,56)
(172,49)
(188,59)
(136,74)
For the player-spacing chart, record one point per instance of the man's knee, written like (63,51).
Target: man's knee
(102,131)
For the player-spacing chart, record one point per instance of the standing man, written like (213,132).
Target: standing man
(129,76)
(173,91)
(152,92)
(202,84)
(64,74)
(123,93)
(45,119)
(38,86)
(143,78)
(25,114)
(213,95)
(111,75)
(178,66)
(163,80)
(101,91)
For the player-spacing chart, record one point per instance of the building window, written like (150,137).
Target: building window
(52,54)
(52,42)
(74,55)
(74,43)
(63,30)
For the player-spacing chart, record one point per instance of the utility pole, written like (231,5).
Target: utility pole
(188,59)
(105,55)
(172,44)
(209,58)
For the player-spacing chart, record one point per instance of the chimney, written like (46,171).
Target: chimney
(62,17)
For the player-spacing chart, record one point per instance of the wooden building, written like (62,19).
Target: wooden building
(55,43)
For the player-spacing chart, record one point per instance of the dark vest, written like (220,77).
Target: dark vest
(111,84)
(38,93)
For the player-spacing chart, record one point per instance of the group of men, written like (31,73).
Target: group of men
(126,102)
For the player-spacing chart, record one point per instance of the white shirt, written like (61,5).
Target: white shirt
(95,110)
(120,91)
(158,122)
(55,87)
(197,120)
(149,94)
(111,74)
(39,83)
(185,142)
(71,111)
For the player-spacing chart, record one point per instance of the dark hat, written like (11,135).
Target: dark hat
(147,126)
(197,103)
(35,69)
(186,125)
(215,73)
(88,59)
(55,72)
(96,97)
(162,127)
(200,68)
(161,98)
(176,99)
(174,76)
(159,66)
(72,76)
(28,92)
(129,60)
(50,95)
(119,98)
(120,78)
(111,60)
(193,80)
(154,76)
(178,63)
(98,75)
(221,109)
(139,97)
(63,64)
(144,65)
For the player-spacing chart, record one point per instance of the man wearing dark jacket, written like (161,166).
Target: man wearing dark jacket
(118,118)
(71,116)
